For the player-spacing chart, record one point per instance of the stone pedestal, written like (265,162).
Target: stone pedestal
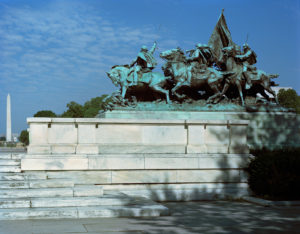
(127,136)
(268,129)
(163,159)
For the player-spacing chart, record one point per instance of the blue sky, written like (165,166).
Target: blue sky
(54,52)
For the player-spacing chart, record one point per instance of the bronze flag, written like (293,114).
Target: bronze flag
(220,38)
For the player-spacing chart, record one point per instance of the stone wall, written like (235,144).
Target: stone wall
(114,136)
(162,159)
(268,129)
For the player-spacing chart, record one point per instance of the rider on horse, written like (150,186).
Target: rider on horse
(248,58)
(145,62)
(199,58)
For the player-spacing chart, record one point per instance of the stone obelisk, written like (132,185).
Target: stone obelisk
(8,119)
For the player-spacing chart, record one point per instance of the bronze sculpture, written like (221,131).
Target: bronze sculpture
(212,68)
(145,62)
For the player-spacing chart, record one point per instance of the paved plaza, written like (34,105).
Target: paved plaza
(186,217)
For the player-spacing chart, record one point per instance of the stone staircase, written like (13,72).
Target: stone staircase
(34,196)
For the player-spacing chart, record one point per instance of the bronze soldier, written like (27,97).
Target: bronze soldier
(145,62)
(200,58)
(248,57)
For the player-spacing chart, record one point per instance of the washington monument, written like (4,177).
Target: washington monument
(8,120)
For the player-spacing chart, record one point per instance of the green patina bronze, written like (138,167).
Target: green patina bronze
(210,76)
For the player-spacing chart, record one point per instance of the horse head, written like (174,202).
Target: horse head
(118,74)
(173,54)
(228,51)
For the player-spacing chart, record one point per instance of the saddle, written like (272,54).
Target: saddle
(144,75)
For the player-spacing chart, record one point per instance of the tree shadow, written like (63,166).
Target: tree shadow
(273,130)
(270,130)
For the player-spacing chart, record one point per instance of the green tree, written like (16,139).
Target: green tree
(3,138)
(45,113)
(74,110)
(289,99)
(24,137)
(93,106)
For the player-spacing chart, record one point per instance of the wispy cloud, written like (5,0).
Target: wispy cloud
(66,41)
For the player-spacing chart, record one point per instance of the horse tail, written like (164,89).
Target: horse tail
(273,76)
(272,83)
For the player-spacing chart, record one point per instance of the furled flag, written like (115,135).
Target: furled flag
(220,37)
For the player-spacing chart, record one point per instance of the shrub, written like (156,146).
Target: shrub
(24,137)
(45,113)
(275,174)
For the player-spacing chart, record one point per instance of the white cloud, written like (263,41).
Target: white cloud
(66,42)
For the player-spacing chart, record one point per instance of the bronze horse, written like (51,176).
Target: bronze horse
(122,76)
(258,77)
(178,67)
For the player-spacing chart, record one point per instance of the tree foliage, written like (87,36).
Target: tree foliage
(275,174)
(45,113)
(289,99)
(24,137)
(75,110)
(89,110)
(93,106)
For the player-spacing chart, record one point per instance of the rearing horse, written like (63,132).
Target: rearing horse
(177,67)
(258,77)
(237,68)
(122,76)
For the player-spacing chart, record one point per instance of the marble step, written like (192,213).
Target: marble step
(13,203)
(77,191)
(11,176)
(36,192)
(10,169)
(37,184)
(84,212)
(52,183)
(18,156)
(5,156)
(13,184)
(106,200)
(10,162)
(87,190)
(48,202)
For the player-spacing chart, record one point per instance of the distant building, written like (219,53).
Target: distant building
(276,90)
(15,137)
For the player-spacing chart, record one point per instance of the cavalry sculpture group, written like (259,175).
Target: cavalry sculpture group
(212,68)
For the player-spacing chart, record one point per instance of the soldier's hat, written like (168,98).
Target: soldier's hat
(144,48)
(245,45)
(200,45)
(237,47)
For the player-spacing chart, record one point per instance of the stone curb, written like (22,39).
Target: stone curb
(263,202)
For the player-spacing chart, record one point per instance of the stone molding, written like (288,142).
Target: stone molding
(135,162)
(112,136)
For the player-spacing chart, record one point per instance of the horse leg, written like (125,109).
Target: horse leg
(239,86)
(178,85)
(214,88)
(161,90)
(268,88)
(124,90)
(225,88)
(266,85)
(263,93)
